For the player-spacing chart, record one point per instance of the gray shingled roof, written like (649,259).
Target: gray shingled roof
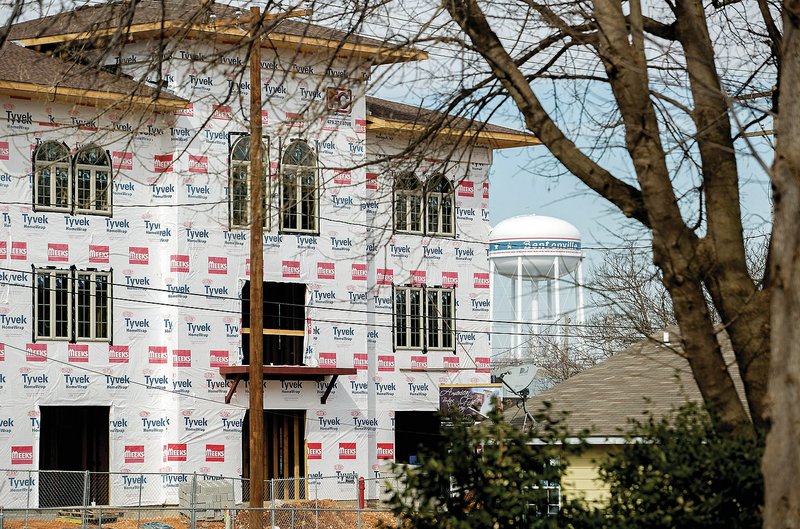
(22,65)
(119,14)
(647,376)
(391,111)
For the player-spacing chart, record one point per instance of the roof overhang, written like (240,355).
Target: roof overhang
(101,97)
(228,30)
(496,140)
(596,440)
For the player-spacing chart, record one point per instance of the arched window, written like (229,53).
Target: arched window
(239,184)
(299,188)
(439,197)
(92,180)
(408,204)
(51,163)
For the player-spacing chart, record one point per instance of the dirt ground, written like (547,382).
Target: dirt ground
(304,518)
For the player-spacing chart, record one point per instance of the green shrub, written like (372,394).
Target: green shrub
(672,472)
(678,472)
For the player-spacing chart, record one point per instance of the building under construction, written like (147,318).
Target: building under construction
(124,251)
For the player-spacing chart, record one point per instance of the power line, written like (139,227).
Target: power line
(173,392)
(312,306)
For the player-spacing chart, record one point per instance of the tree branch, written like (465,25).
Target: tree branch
(469,17)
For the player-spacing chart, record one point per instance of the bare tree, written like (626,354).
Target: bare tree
(696,229)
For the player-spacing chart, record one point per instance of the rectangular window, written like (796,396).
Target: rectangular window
(53,289)
(424,318)
(440,318)
(72,305)
(92,305)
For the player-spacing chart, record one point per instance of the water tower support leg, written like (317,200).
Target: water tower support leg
(518,315)
(535,305)
(579,290)
(556,290)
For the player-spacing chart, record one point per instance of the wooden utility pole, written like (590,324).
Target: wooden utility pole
(256,280)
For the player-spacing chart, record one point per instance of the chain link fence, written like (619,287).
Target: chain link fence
(58,499)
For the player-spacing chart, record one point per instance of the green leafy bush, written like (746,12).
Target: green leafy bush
(678,472)
(489,476)
(672,472)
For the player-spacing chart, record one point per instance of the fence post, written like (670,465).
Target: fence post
(193,502)
(28,498)
(292,524)
(272,498)
(139,509)
(316,504)
(233,503)
(84,513)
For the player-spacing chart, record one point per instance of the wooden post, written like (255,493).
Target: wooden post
(256,281)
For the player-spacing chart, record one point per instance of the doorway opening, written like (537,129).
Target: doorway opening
(284,323)
(284,453)
(73,438)
(414,430)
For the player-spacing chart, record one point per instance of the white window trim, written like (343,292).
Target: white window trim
(424,320)
(72,324)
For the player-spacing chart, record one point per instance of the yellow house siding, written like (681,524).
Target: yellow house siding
(580,479)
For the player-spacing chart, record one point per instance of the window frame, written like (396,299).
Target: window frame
(70,164)
(93,311)
(52,304)
(233,139)
(72,276)
(299,199)
(39,165)
(405,195)
(425,191)
(441,196)
(76,167)
(441,320)
(402,340)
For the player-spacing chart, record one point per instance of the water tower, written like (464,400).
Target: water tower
(537,254)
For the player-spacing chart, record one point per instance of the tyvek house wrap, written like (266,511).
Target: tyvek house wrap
(178,271)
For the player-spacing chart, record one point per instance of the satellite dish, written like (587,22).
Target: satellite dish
(521,379)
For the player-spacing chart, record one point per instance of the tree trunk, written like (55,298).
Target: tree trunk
(675,245)
(781,465)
